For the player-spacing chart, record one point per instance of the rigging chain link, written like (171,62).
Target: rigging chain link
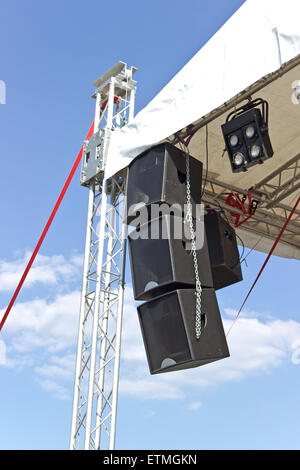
(189,219)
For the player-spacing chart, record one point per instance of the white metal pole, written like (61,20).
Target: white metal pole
(121,290)
(97,112)
(131,105)
(118,338)
(104,329)
(100,257)
(110,104)
(89,412)
(82,315)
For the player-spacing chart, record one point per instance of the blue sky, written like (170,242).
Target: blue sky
(51,52)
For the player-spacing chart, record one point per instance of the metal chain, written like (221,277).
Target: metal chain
(189,219)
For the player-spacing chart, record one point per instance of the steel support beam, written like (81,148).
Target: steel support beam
(266,221)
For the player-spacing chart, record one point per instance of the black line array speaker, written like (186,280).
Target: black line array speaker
(223,251)
(161,259)
(158,176)
(168,329)
(162,265)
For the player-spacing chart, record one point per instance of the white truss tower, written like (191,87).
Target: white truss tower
(101,309)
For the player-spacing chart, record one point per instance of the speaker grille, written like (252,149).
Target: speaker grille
(164,332)
(145,179)
(168,328)
(163,264)
(158,176)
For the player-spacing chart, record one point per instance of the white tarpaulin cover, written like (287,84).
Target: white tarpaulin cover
(255,41)
(260,39)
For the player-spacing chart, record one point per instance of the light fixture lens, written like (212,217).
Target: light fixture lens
(255,151)
(250,132)
(238,159)
(234,140)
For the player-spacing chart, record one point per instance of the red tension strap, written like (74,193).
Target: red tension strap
(44,233)
(267,259)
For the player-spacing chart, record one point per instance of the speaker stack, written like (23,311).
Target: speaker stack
(162,266)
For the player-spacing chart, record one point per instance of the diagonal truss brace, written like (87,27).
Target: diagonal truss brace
(281,183)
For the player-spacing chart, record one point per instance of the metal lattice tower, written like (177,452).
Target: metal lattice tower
(101,309)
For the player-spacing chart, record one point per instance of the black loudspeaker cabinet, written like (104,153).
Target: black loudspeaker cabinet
(168,329)
(223,251)
(165,263)
(158,176)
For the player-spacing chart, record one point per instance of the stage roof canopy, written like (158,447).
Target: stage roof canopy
(256,54)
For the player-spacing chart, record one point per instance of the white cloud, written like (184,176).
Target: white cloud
(41,334)
(194,406)
(2,353)
(256,346)
(58,368)
(147,388)
(296,352)
(48,270)
(41,324)
(60,392)
(230,312)
(150,414)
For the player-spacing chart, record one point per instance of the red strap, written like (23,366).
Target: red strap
(44,233)
(267,259)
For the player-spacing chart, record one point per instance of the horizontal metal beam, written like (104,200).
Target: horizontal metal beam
(284,195)
(265,222)
(260,216)
(277,172)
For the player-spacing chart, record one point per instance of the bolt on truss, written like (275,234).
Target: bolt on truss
(102,297)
